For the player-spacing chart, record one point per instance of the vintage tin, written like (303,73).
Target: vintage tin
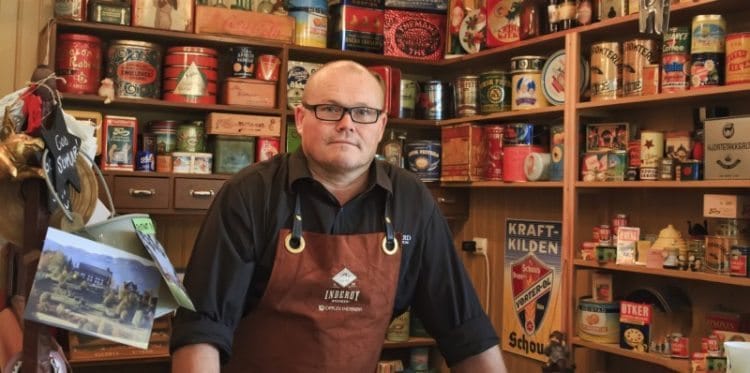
(651,79)
(514,157)
(164,163)
(190,137)
(408,98)
(706,70)
(738,58)
(606,71)
(708,34)
(493,135)
(675,72)
(148,142)
(648,173)
(537,166)
(267,67)
(465,95)
(598,322)
(243,61)
(192,84)
(135,68)
(691,170)
(634,153)
(637,54)
(249,92)
(522,134)
(739,261)
(652,148)
(266,147)
(398,330)
(414,35)
(165,132)
(176,15)
(78,59)
(144,161)
(182,162)
(297,74)
(74,10)
(419,359)
(494,92)
(557,149)
(553,78)
(616,165)
(423,158)
(202,163)
(676,41)
(631,174)
(311,26)
(175,71)
(431,103)
(503,26)
(106,11)
(356,28)
(666,168)
(526,85)
(718,249)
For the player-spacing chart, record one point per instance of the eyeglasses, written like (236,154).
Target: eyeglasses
(334,113)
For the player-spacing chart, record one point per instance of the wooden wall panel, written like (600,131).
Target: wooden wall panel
(20,24)
(178,233)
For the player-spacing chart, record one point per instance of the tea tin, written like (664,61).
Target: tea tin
(135,68)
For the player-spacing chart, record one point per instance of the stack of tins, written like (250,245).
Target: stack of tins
(311,22)
(78,60)
(520,140)
(135,68)
(190,75)
(640,71)
(707,48)
(675,60)
(526,91)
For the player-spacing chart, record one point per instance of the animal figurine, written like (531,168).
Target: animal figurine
(107,90)
(558,354)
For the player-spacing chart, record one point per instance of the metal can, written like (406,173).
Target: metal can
(666,169)
(557,148)
(526,91)
(190,137)
(194,67)
(652,149)
(135,67)
(243,62)
(708,34)
(634,153)
(676,41)
(675,72)
(605,233)
(148,142)
(739,260)
(631,174)
(598,322)
(738,58)
(165,132)
(606,71)
(268,67)
(706,70)
(493,135)
(620,220)
(691,170)
(78,59)
(637,54)
(70,9)
(465,95)
(144,161)
(408,98)
(311,26)
(514,157)
(494,92)
(266,148)
(522,134)
(431,100)
(648,173)
(423,158)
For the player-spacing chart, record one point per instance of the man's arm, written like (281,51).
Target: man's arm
(488,361)
(198,358)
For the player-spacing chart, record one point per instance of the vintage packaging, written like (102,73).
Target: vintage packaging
(727,148)
(598,321)
(355,28)
(601,287)
(606,71)
(717,253)
(311,26)
(391,77)
(437,6)
(249,92)
(627,241)
(105,11)
(728,322)
(74,10)
(467,21)
(176,15)
(464,153)
(119,140)
(242,124)
(726,206)
(607,136)
(637,54)
(652,314)
(223,21)
(416,35)
(738,58)
(503,24)
(135,68)
(678,145)
(266,147)
(78,59)
(297,74)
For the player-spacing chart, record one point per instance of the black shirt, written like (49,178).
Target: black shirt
(234,252)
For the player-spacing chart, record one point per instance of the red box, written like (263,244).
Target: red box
(728,321)
(392,79)
(414,35)
(464,153)
(119,136)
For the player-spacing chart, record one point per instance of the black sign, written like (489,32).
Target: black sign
(61,164)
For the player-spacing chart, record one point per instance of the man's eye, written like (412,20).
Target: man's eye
(330,109)
(362,111)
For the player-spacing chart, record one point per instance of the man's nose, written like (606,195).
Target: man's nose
(346,123)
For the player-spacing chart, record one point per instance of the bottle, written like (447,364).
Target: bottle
(393,150)
(552,16)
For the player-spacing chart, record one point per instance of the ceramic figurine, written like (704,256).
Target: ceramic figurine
(558,353)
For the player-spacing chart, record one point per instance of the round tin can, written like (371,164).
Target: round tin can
(182,162)
(494,92)
(431,100)
(144,161)
(408,98)
(135,67)
(266,147)
(524,134)
(493,135)
(202,163)
(738,58)
(606,71)
(620,220)
(599,322)
(691,170)
(537,166)
(268,67)
(166,135)
(676,41)
(423,158)
(190,137)
(514,157)
(311,26)
(557,149)
(666,169)
(706,70)
(243,62)
(708,34)
(192,83)
(78,59)
(652,149)
(465,95)
(526,83)
(637,54)
(675,72)
(553,78)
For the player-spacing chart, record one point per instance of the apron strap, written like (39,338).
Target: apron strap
(390,245)
(294,241)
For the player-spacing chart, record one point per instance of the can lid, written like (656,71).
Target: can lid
(193,49)
(80,37)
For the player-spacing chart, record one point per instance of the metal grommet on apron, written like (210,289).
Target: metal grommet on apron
(294,242)
(389,245)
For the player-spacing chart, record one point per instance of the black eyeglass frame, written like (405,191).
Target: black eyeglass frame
(345,110)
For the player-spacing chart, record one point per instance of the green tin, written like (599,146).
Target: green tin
(190,137)
(232,153)
(494,92)
(293,140)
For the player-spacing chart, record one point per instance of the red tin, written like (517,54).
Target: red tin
(200,56)
(494,137)
(78,59)
(191,75)
(205,100)
(171,85)
(175,71)
(414,34)
(266,147)
(267,67)
(513,161)
(392,79)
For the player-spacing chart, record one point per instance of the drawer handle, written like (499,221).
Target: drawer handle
(202,193)
(142,193)
(446,200)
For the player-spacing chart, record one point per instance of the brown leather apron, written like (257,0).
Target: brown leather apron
(327,304)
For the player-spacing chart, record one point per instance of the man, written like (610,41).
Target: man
(319,249)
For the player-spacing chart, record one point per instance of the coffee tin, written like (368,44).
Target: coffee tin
(493,135)
(243,62)
(606,71)
(78,59)
(494,92)
(135,67)
(708,34)
(526,85)
(465,95)
(675,72)
(423,158)
(598,322)
(738,58)
(706,70)
(268,67)
(676,41)
(202,163)
(431,103)
(408,98)
(637,54)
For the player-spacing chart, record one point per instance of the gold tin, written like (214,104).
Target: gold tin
(708,33)
(526,82)
(606,71)
(637,54)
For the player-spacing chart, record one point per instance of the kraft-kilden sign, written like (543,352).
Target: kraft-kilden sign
(531,291)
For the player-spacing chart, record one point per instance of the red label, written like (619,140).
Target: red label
(137,72)
(363,20)
(635,313)
(738,265)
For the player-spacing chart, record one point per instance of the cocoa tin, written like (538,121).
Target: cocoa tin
(135,67)
(78,59)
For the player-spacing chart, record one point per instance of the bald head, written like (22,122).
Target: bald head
(335,70)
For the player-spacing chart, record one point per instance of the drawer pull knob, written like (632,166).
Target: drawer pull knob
(202,193)
(446,200)
(143,193)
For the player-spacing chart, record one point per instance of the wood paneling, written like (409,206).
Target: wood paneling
(20,24)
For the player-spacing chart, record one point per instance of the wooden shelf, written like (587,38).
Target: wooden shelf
(412,342)
(322,55)
(166,174)
(702,184)
(722,93)
(678,365)
(121,361)
(130,103)
(502,184)
(687,275)
(549,112)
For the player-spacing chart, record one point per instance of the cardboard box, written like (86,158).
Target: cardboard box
(728,322)
(242,125)
(163,15)
(415,35)
(392,78)
(727,148)
(651,314)
(355,28)
(223,21)
(249,92)
(464,153)
(607,136)
(726,206)
(119,141)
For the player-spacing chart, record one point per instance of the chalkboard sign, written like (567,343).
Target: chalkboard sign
(63,149)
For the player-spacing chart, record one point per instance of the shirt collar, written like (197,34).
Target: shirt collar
(298,170)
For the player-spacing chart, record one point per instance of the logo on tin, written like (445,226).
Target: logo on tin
(417,38)
(532,282)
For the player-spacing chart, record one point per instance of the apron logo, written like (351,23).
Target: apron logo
(344,278)
(532,283)
(343,294)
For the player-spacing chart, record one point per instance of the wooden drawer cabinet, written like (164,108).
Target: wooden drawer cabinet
(141,192)
(195,193)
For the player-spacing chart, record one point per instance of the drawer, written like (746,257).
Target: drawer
(195,193)
(138,192)
(453,202)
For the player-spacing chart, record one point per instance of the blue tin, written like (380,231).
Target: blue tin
(690,170)
(243,62)
(144,161)
(423,158)
(525,134)
(298,4)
